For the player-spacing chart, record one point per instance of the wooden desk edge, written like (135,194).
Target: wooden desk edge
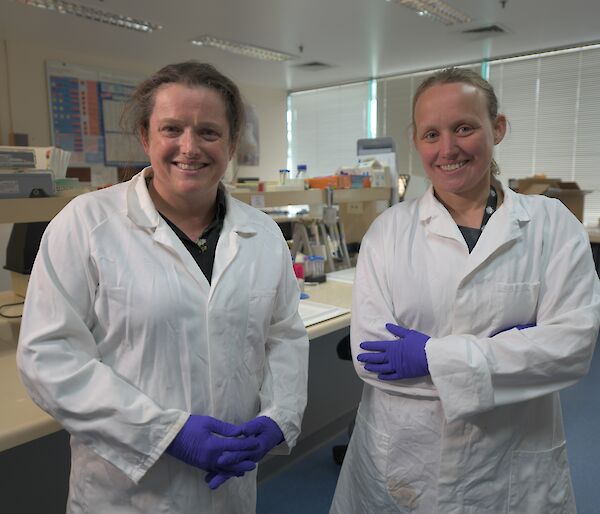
(327,327)
(27,432)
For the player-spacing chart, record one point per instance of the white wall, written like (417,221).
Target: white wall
(24,108)
(271,105)
(4,106)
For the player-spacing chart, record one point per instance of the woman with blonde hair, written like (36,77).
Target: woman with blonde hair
(473,306)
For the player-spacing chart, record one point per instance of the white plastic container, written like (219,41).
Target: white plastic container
(314,268)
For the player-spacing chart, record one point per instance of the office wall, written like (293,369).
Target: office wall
(24,108)
(4,106)
(24,74)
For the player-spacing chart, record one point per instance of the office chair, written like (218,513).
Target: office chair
(344,353)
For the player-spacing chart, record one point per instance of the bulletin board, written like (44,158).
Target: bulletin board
(85,109)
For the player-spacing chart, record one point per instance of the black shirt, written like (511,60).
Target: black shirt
(203,250)
(471,235)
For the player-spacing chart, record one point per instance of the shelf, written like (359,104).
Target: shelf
(279,198)
(368,194)
(27,210)
(311,196)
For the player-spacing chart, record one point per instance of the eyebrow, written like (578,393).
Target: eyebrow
(424,130)
(176,121)
(169,120)
(461,121)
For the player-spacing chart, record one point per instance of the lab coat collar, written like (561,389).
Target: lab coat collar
(504,227)
(236,229)
(236,218)
(436,218)
(142,212)
(514,205)
(236,226)
(140,207)
(433,213)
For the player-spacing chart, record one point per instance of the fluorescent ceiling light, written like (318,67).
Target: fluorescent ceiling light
(436,9)
(89,13)
(242,49)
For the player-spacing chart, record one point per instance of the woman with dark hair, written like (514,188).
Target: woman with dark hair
(473,306)
(161,324)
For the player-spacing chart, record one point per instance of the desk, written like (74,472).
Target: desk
(332,293)
(21,421)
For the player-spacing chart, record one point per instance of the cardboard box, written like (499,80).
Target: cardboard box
(334,181)
(569,193)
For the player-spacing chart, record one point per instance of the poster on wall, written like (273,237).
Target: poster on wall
(120,148)
(85,109)
(249,149)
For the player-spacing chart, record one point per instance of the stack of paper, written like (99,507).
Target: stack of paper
(346,276)
(35,158)
(58,161)
(313,312)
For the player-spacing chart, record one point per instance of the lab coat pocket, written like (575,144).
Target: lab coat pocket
(515,303)
(260,312)
(363,477)
(540,482)
(412,460)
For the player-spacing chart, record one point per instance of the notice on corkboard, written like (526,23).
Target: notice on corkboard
(85,109)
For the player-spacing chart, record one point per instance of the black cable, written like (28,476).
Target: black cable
(8,316)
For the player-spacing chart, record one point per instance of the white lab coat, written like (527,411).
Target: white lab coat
(123,337)
(484,432)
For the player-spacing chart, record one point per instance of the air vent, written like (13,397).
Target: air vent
(313,66)
(488,29)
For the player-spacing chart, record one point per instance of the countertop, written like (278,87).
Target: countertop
(22,421)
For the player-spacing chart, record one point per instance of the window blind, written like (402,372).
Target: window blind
(586,158)
(325,125)
(551,100)
(552,103)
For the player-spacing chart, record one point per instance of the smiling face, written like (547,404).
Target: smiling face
(188,143)
(455,137)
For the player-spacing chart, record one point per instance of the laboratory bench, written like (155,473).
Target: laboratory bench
(44,209)
(34,449)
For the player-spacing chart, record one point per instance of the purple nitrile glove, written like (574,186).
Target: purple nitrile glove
(203,439)
(400,358)
(264,431)
(518,327)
